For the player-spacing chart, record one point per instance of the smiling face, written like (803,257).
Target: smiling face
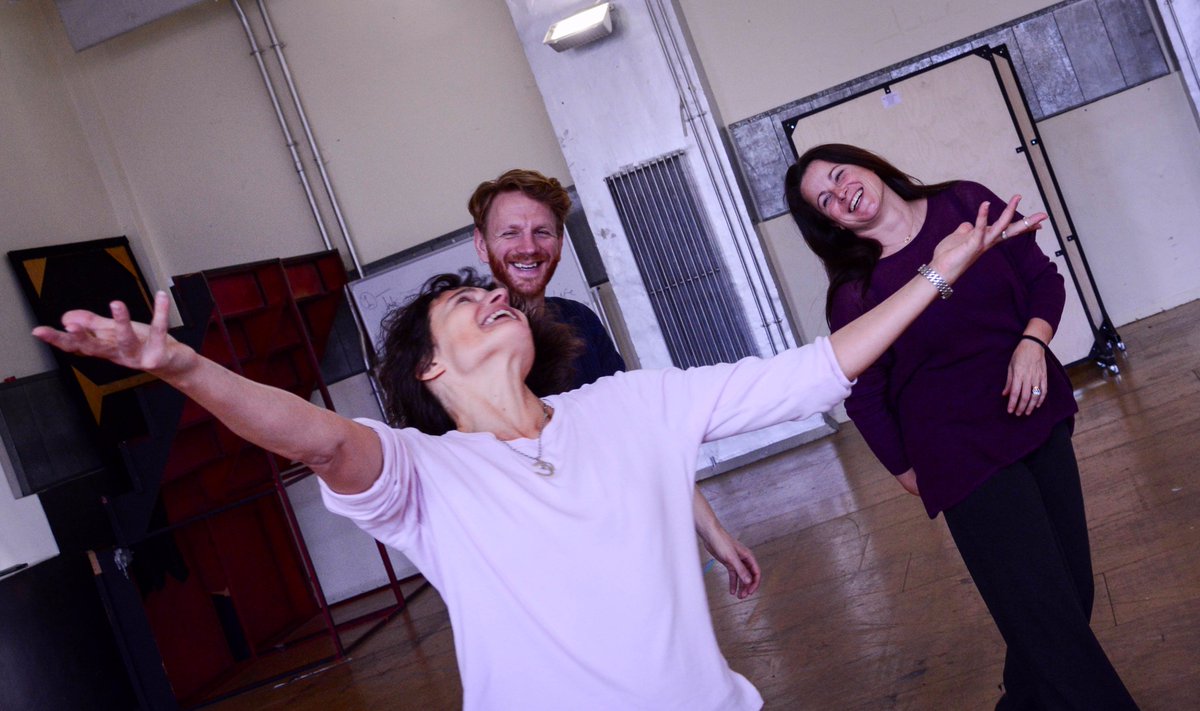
(848,195)
(521,243)
(470,326)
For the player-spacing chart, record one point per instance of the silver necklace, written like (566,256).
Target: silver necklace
(912,224)
(540,466)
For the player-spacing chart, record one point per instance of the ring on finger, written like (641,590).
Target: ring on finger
(1003,234)
(1035,390)
(1026,221)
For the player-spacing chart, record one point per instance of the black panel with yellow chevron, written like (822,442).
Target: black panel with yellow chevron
(89,275)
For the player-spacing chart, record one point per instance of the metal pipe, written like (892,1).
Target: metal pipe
(312,142)
(287,132)
(705,129)
(703,132)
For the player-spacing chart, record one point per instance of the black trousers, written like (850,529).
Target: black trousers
(1023,536)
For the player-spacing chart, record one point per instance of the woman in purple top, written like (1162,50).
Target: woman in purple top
(969,409)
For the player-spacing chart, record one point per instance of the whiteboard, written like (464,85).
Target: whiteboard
(947,123)
(377,294)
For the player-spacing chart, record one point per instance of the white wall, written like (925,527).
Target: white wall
(759,54)
(413,104)
(25,535)
(179,109)
(50,188)
(166,133)
(1130,169)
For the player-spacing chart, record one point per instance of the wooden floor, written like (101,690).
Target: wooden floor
(865,603)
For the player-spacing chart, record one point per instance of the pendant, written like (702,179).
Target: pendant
(543,468)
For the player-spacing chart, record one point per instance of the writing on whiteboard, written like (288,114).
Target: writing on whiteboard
(385,300)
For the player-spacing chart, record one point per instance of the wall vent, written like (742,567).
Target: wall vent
(680,267)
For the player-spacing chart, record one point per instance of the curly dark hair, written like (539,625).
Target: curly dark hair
(408,350)
(847,257)
(533,184)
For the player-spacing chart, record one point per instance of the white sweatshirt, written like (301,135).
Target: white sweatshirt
(584,590)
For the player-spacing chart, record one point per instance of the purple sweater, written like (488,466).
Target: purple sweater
(932,402)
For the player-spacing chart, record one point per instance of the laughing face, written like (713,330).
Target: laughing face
(521,244)
(470,326)
(849,195)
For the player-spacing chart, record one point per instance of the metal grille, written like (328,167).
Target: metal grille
(691,295)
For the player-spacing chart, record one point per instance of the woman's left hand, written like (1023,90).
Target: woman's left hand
(739,562)
(1025,387)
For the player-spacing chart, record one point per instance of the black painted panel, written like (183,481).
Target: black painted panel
(59,650)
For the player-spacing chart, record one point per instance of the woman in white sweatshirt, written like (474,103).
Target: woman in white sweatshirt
(558,530)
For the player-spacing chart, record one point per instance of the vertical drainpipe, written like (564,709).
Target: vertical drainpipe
(312,142)
(287,133)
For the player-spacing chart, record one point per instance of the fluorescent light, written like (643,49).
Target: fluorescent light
(582,27)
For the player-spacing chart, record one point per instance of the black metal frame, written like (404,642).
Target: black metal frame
(1107,342)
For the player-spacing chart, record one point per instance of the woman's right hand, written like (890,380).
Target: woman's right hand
(123,341)
(962,247)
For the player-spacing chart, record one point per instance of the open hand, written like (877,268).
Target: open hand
(120,340)
(962,247)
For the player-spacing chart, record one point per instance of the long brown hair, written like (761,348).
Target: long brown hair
(408,350)
(847,257)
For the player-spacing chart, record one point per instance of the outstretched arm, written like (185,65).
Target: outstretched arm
(738,560)
(859,343)
(345,454)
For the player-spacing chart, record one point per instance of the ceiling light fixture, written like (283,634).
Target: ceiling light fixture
(585,26)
